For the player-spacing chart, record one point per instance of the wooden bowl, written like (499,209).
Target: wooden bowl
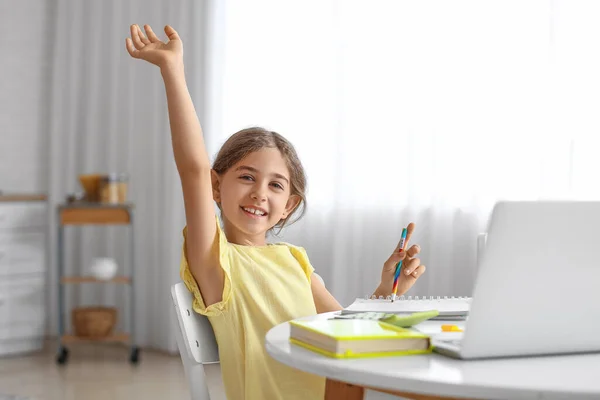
(91,185)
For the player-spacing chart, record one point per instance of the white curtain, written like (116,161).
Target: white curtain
(108,114)
(401,111)
(413,111)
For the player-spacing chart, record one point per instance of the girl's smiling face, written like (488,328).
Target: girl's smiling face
(255,194)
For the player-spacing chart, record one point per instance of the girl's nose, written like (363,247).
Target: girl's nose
(258,194)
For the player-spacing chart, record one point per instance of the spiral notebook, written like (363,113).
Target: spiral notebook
(448,307)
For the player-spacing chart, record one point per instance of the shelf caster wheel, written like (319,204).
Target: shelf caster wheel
(134,358)
(62,356)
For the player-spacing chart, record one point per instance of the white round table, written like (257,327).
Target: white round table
(548,377)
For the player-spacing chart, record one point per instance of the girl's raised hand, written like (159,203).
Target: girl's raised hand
(152,49)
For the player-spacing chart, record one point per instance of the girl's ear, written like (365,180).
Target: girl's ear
(291,205)
(216,185)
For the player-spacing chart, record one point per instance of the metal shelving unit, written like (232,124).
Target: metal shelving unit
(80,214)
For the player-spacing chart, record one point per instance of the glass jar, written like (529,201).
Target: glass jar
(113,189)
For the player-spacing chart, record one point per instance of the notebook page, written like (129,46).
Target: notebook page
(449,306)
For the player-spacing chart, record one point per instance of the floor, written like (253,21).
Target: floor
(94,372)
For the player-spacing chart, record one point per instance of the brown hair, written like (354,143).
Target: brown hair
(249,140)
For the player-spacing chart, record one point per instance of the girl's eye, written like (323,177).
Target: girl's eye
(277,185)
(247,177)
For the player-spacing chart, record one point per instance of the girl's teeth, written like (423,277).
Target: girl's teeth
(255,212)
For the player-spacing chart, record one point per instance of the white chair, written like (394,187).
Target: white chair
(198,347)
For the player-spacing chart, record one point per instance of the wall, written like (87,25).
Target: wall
(25,42)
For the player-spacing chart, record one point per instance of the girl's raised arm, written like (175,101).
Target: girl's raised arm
(190,154)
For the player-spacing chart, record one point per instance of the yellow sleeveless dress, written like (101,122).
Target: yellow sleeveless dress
(264,286)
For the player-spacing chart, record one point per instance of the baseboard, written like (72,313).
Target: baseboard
(13,347)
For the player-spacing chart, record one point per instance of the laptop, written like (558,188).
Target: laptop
(537,290)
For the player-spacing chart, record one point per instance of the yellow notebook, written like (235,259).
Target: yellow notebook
(353,338)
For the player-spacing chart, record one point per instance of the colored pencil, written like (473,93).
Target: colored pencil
(401,247)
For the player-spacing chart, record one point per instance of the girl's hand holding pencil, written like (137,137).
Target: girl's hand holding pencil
(402,269)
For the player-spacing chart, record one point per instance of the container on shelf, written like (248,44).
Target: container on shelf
(91,186)
(113,189)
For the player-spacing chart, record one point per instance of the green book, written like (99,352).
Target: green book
(400,320)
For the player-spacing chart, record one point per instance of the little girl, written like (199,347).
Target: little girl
(242,283)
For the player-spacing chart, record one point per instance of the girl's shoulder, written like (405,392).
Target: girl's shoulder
(286,245)
(282,244)
(298,252)
(279,252)
(274,248)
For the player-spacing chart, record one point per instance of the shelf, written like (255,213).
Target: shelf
(95,214)
(22,197)
(91,279)
(117,337)
(94,205)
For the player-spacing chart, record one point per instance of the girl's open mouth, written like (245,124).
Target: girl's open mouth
(253,212)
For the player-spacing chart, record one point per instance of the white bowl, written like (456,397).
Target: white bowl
(104,268)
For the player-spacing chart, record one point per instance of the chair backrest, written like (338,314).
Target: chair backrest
(197,347)
(198,335)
